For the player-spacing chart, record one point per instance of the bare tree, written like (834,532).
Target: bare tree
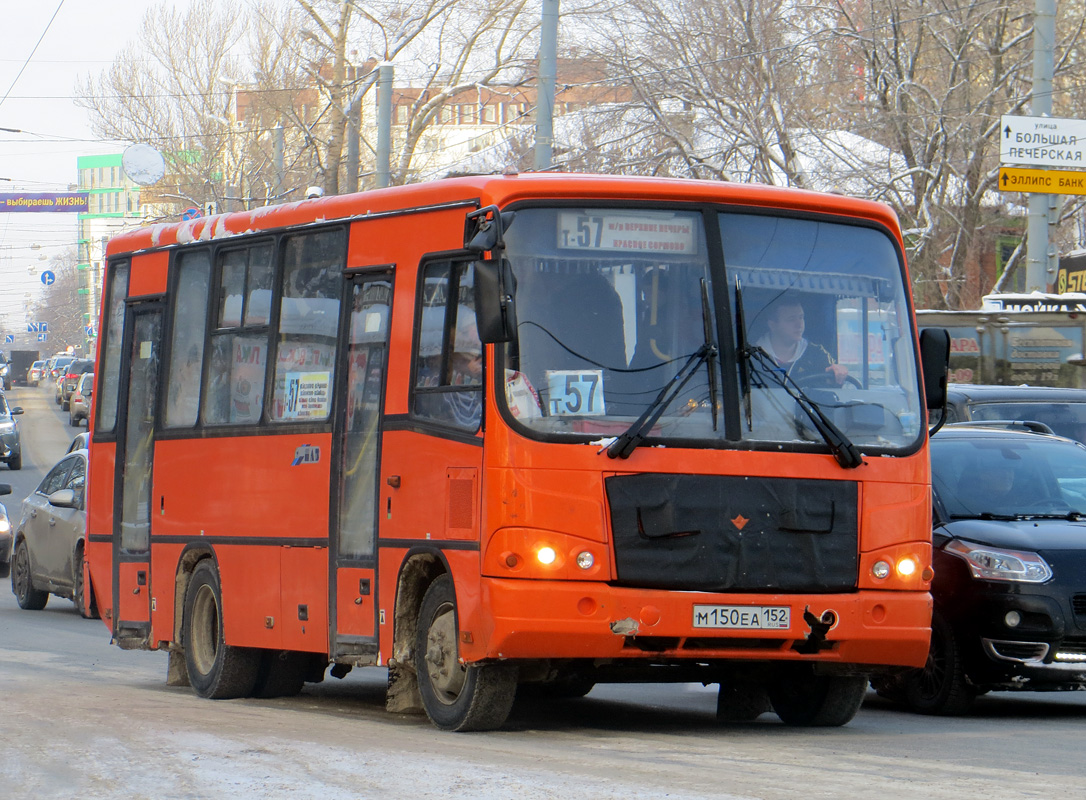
(253,125)
(936,81)
(726,85)
(173,89)
(442,50)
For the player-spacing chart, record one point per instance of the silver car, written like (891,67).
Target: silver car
(12,450)
(80,401)
(50,538)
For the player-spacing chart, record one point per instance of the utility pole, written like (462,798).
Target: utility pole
(354,132)
(1040,258)
(548,71)
(384,124)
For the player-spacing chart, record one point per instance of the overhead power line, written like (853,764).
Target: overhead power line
(32,52)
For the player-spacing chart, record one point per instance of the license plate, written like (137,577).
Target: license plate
(743,617)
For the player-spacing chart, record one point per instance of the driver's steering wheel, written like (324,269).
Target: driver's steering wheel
(826,379)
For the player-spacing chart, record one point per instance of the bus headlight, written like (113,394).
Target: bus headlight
(906,567)
(551,555)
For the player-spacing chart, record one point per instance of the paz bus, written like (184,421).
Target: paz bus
(516,431)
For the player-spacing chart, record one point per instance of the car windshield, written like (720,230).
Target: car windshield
(1065,419)
(612,304)
(1004,476)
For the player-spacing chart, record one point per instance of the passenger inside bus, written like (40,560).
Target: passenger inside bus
(461,402)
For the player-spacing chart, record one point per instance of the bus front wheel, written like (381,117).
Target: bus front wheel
(216,670)
(456,696)
(805,699)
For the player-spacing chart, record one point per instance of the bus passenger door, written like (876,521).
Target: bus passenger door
(132,493)
(353,611)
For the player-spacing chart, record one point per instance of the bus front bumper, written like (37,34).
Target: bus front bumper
(564,619)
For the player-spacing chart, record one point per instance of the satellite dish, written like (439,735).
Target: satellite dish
(143,164)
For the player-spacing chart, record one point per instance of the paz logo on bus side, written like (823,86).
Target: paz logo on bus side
(306,454)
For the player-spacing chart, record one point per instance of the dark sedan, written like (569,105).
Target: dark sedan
(1063,410)
(1010,569)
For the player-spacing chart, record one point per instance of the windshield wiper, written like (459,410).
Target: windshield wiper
(741,346)
(987,515)
(711,356)
(633,436)
(1071,516)
(840,445)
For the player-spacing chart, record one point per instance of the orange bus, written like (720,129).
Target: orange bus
(538,431)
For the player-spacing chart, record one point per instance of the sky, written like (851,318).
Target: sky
(81,39)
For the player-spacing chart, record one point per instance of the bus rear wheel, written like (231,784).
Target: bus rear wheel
(216,670)
(804,699)
(457,697)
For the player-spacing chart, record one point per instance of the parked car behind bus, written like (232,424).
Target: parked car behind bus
(49,540)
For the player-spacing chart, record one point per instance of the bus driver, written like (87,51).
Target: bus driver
(791,352)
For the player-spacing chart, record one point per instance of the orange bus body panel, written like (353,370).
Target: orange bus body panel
(149,274)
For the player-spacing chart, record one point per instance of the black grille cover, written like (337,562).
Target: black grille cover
(731,533)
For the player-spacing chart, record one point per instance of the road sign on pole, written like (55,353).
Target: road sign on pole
(1042,181)
(1042,141)
(48,278)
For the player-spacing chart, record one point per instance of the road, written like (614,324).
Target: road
(83,719)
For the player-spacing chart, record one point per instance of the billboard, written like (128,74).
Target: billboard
(44,201)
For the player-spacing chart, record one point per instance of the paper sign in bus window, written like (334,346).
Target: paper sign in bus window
(308,395)
(578,392)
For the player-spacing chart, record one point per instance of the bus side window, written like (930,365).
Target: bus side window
(449,360)
(239,339)
(110,367)
(308,325)
(187,339)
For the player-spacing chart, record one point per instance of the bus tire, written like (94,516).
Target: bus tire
(455,696)
(22,583)
(216,670)
(741,701)
(804,699)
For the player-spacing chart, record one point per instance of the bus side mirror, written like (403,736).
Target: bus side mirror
(495,301)
(484,230)
(495,286)
(935,363)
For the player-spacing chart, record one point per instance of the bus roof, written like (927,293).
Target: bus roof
(492,190)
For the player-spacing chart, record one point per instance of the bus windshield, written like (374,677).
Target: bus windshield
(614,303)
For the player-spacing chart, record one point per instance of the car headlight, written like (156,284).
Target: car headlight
(7,427)
(997,564)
